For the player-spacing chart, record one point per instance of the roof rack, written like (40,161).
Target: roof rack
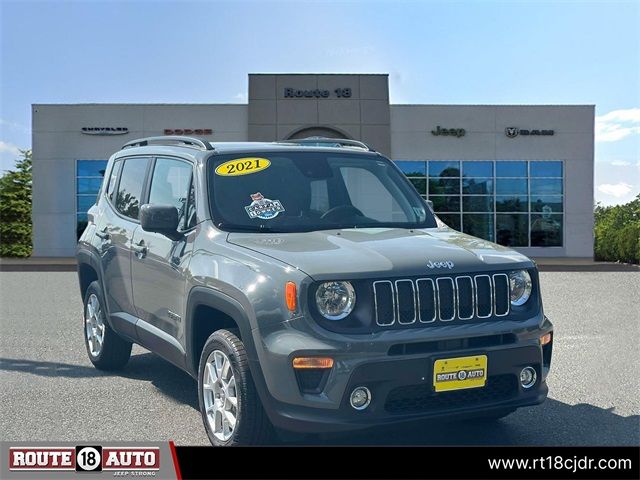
(170,140)
(337,142)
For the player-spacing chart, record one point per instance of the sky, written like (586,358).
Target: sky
(446,52)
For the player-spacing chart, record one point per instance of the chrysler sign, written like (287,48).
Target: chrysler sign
(105,130)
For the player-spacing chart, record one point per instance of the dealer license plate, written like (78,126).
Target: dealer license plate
(459,373)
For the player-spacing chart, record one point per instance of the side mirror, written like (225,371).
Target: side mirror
(160,219)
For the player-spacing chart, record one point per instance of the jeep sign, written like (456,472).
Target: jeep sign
(450,132)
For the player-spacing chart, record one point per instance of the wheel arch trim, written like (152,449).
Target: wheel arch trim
(91,258)
(204,296)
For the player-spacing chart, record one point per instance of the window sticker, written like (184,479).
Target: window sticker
(242,166)
(263,208)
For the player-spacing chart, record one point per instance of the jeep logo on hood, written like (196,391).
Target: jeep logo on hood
(448,264)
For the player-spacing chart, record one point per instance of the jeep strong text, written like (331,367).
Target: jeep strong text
(307,286)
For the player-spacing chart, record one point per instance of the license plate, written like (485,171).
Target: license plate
(459,373)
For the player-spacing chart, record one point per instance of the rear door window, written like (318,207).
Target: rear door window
(113,180)
(130,187)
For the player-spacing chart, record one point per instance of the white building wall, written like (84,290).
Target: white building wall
(58,143)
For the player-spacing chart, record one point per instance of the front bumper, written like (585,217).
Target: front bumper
(398,370)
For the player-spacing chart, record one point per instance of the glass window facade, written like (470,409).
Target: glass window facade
(514,203)
(89,175)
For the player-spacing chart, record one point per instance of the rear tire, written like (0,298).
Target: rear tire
(231,409)
(106,349)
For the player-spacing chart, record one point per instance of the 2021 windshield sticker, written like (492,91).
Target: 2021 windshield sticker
(263,208)
(242,166)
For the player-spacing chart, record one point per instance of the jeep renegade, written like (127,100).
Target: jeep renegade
(307,286)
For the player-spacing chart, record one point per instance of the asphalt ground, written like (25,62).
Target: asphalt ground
(49,390)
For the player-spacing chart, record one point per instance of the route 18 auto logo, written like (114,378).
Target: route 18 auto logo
(87,458)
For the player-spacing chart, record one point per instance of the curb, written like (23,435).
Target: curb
(37,268)
(38,264)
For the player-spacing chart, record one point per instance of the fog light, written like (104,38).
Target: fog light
(528,377)
(360,398)
(546,338)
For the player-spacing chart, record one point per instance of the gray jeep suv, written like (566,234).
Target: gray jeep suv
(307,286)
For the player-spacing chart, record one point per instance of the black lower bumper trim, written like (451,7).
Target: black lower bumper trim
(421,398)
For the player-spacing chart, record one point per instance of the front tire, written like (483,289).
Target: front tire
(106,349)
(231,409)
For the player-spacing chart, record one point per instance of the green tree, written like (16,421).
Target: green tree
(617,232)
(15,209)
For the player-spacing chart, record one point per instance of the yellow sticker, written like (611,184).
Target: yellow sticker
(242,166)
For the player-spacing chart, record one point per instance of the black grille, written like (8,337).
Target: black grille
(465,297)
(503,296)
(484,296)
(384,302)
(452,344)
(440,299)
(406,309)
(446,306)
(420,398)
(426,300)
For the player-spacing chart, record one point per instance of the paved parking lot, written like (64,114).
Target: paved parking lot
(49,390)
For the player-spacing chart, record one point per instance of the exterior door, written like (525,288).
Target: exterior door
(159,263)
(116,233)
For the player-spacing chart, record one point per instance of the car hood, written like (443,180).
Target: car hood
(380,252)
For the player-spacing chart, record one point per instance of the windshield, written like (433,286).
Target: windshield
(308,191)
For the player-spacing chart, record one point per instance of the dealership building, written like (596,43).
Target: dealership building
(518,175)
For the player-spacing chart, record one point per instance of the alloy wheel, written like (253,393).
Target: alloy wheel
(220,395)
(94,325)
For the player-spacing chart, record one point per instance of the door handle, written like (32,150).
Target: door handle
(141,249)
(103,234)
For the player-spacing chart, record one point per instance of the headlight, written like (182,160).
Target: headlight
(520,286)
(335,300)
